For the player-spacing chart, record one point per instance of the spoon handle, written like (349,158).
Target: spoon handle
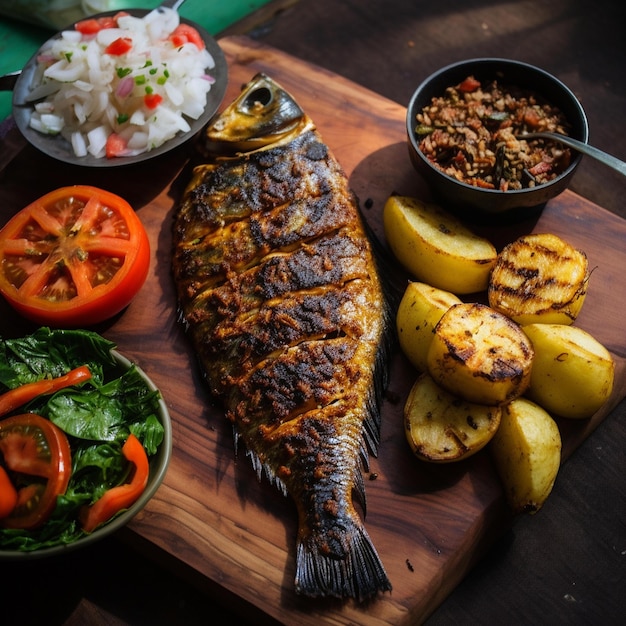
(585,148)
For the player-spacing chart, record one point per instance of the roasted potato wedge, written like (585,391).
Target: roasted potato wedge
(441,427)
(436,247)
(539,278)
(527,454)
(480,355)
(572,373)
(419,311)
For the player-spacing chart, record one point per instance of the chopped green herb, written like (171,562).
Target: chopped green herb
(123,71)
(149,89)
(153,71)
(68,56)
(121,118)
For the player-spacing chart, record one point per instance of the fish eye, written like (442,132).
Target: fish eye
(261,96)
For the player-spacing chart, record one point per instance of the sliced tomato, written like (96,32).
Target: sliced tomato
(74,257)
(8,494)
(37,454)
(469,84)
(121,497)
(185,33)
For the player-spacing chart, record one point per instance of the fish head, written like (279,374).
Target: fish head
(263,115)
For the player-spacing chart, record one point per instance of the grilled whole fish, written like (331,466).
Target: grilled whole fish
(280,295)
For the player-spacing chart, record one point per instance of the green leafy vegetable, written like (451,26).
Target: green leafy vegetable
(97,418)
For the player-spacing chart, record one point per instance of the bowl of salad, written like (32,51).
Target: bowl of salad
(120,87)
(85,441)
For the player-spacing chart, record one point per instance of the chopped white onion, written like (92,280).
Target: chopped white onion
(88,94)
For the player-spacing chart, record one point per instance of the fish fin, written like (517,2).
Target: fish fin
(265,469)
(360,574)
(376,394)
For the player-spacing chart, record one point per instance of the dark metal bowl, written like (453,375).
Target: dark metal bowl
(59,148)
(464,198)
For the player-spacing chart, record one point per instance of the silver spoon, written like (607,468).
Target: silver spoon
(580,146)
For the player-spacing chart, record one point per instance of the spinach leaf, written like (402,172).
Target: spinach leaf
(97,417)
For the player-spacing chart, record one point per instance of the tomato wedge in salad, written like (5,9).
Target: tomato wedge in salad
(75,257)
(37,457)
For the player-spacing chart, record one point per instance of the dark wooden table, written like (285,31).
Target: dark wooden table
(565,565)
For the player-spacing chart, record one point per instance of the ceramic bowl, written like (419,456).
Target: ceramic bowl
(465,198)
(159,463)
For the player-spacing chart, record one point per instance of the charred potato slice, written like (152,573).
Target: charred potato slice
(539,278)
(420,309)
(436,247)
(572,373)
(480,355)
(441,427)
(527,454)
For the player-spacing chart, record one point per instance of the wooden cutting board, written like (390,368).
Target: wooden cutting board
(211,520)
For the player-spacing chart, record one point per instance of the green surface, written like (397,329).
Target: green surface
(20,40)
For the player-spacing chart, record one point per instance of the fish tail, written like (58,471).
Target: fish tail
(359,575)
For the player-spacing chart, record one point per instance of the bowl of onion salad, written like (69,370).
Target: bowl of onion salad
(119,88)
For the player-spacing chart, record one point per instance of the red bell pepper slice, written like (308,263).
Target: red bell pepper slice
(121,497)
(184,33)
(14,398)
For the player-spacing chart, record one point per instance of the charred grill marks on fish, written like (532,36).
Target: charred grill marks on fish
(279,293)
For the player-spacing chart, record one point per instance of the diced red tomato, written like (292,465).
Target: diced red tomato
(531,117)
(120,46)
(469,84)
(14,398)
(184,33)
(541,168)
(91,25)
(116,146)
(152,100)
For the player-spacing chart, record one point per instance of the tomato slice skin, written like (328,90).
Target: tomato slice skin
(75,257)
(38,452)
(8,494)
(122,496)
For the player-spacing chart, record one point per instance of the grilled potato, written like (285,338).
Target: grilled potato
(539,278)
(441,427)
(436,247)
(527,453)
(572,373)
(420,309)
(480,355)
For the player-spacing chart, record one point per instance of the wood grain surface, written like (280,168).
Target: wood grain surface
(211,518)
